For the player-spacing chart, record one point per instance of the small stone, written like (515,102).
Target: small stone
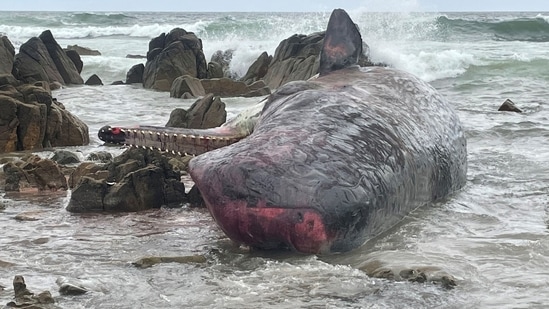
(509,106)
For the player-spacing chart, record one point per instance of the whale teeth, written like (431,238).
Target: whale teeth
(166,134)
(150,133)
(157,133)
(173,151)
(179,153)
(134,131)
(184,135)
(174,135)
(144,147)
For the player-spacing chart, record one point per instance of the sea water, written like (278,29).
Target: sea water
(492,236)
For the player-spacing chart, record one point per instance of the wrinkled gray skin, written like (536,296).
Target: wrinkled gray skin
(334,161)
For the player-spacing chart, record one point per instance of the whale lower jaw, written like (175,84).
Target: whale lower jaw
(297,229)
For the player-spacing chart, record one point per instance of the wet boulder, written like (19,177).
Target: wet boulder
(208,112)
(7,54)
(75,58)
(215,70)
(65,157)
(64,64)
(94,80)
(135,74)
(258,69)
(136,180)
(42,59)
(34,172)
(226,87)
(509,106)
(172,55)
(187,84)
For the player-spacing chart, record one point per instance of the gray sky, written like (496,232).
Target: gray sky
(275,5)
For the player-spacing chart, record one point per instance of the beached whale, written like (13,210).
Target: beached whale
(330,162)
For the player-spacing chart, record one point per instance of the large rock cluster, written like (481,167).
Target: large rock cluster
(176,63)
(172,55)
(136,180)
(30,118)
(42,59)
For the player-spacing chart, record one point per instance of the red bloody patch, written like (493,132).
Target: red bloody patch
(115,131)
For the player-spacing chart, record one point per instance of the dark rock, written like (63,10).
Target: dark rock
(509,106)
(83,51)
(32,119)
(136,180)
(176,54)
(64,129)
(215,70)
(130,56)
(186,84)
(195,198)
(64,64)
(14,174)
(44,174)
(34,172)
(42,59)
(7,54)
(208,112)
(258,69)
(118,82)
(94,80)
(75,58)
(87,169)
(226,87)
(101,156)
(8,79)
(178,118)
(8,124)
(65,157)
(135,74)
(87,196)
(34,63)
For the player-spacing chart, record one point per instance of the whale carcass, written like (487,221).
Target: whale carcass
(330,162)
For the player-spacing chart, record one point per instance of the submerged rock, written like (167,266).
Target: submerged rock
(509,106)
(420,274)
(153,260)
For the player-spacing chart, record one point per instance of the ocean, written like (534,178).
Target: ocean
(492,236)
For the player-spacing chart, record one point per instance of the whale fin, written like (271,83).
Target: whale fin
(342,43)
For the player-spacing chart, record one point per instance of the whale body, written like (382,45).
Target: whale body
(330,162)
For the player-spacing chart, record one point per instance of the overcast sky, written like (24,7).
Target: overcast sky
(274,5)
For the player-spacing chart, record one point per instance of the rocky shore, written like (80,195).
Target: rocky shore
(31,119)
